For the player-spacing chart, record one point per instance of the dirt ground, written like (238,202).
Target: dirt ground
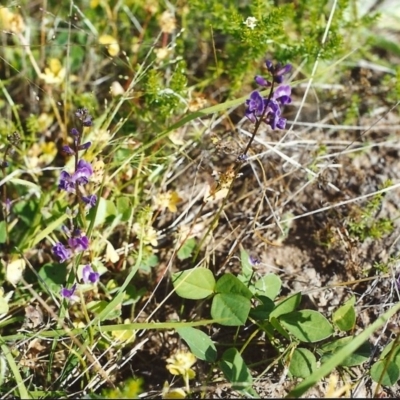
(292,208)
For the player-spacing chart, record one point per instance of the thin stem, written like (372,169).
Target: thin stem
(4,208)
(258,123)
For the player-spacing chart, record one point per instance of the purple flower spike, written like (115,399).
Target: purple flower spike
(255,106)
(68,150)
(85,146)
(273,118)
(282,94)
(61,252)
(87,121)
(261,81)
(74,132)
(283,70)
(90,200)
(90,276)
(68,293)
(277,71)
(83,172)
(79,244)
(254,261)
(83,115)
(67,182)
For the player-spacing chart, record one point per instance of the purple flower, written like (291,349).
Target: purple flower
(87,121)
(273,115)
(84,146)
(81,176)
(79,244)
(68,150)
(68,293)
(61,252)
(67,182)
(242,158)
(261,81)
(277,71)
(89,276)
(74,132)
(254,261)
(8,205)
(83,172)
(90,200)
(255,106)
(83,115)
(282,94)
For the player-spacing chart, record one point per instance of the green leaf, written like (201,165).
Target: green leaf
(235,369)
(4,307)
(133,295)
(327,367)
(269,285)
(48,229)
(387,351)
(229,284)
(247,268)
(14,370)
(230,309)
(231,305)
(105,210)
(307,325)
(286,306)
(345,316)
(263,310)
(391,354)
(187,248)
(278,327)
(124,208)
(28,184)
(361,355)
(149,261)
(97,307)
(385,372)
(3,232)
(303,363)
(53,276)
(195,283)
(199,343)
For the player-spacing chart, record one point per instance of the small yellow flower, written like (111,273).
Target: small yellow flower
(151,6)
(197,102)
(167,22)
(11,22)
(79,324)
(111,44)
(111,253)
(168,200)
(147,234)
(116,89)
(168,393)
(180,364)
(15,270)
(41,154)
(54,74)
(162,53)
(127,336)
